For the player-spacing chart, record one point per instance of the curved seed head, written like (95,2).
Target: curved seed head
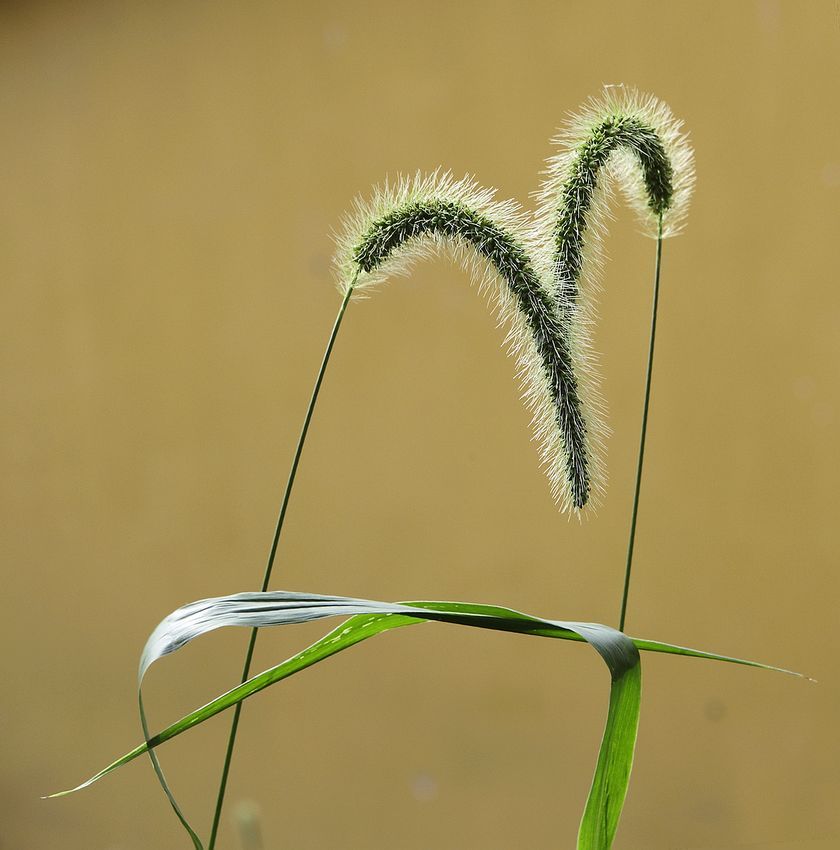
(493,241)
(625,139)
(542,271)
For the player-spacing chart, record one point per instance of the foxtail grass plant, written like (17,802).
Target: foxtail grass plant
(542,274)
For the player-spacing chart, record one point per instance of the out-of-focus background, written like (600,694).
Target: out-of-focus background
(171,173)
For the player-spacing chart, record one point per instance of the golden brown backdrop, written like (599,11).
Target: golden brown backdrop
(170,176)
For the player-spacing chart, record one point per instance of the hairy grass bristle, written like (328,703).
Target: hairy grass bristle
(612,134)
(548,264)
(623,139)
(454,221)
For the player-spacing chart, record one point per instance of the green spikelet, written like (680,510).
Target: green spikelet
(540,265)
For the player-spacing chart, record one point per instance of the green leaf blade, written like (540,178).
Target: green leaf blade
(615,762)
(367,618)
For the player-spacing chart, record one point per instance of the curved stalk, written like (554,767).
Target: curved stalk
(643,434)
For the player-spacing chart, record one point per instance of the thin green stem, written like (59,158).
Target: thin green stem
(644,430)
(249,655)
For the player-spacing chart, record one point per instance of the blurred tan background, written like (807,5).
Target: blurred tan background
(171,173)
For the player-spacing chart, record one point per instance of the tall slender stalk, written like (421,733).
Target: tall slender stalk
(284,504)
(643,430)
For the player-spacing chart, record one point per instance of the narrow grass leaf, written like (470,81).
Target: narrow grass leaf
(368,618)
(615,761)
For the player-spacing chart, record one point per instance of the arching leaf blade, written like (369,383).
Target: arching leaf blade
(368,618)
(361,629)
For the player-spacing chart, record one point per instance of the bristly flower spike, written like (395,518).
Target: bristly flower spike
(621,138)
(547,267)
(493,241)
